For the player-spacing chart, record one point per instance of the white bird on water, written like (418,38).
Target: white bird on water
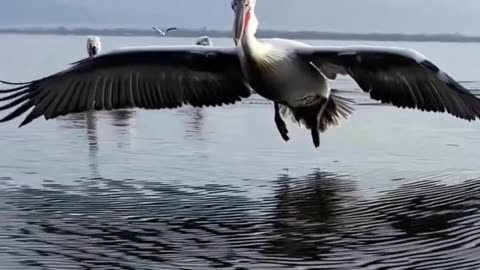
(94,46)
(294,75)
(204,41)
(163,33)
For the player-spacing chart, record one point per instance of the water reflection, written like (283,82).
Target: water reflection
(194,122)
(121,119)
(305,207)
(317,221)
(88,120)
(85,121)
(91,127)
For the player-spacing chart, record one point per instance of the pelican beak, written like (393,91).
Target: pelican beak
(239,24)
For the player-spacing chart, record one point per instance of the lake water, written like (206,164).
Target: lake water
(218,187)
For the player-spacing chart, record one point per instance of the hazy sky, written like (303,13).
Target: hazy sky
(407,16)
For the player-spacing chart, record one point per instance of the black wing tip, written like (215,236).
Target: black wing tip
(452,83)
(20,99)
(470,99)
(25,122)
(430,65)
(14,83)
(7,118)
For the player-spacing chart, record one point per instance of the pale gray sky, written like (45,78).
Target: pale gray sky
(405,16)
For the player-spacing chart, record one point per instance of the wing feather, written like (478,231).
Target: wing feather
(148,77)
(401,77)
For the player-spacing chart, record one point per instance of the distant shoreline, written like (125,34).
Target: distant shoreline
(261,33)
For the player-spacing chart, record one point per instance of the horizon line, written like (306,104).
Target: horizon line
(219,33)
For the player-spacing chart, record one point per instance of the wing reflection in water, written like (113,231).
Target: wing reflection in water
(194,122)
(318,221)
(88,122)
(121,119)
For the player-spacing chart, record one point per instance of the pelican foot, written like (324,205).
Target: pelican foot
(282,128)
(315,137)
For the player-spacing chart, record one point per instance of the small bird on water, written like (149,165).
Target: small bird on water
(292,74)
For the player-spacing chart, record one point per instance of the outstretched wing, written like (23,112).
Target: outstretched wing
(143,77)
(158,29)
(401,77)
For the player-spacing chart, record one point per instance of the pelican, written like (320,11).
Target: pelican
(163,33)
(94,46)
(204,41)
(294,75)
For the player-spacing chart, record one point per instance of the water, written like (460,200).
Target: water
(218,188)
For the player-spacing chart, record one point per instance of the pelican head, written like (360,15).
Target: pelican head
(243,14)
(94,46)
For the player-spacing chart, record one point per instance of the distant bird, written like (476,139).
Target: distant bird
(294,75)
(94,46)
(163,33)
(204,41)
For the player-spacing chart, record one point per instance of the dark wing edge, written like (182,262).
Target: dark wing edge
(143,79)
(400,77)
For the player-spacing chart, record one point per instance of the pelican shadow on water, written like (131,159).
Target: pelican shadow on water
(292,74)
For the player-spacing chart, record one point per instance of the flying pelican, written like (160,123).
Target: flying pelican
(294,75)
(163,33)
(204,41)
(94,46)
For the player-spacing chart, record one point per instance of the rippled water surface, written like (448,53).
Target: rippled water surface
(218,188)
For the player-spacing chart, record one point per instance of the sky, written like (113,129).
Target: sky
(358,16)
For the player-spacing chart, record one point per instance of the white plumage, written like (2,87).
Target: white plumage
(94,46)
(204,41)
